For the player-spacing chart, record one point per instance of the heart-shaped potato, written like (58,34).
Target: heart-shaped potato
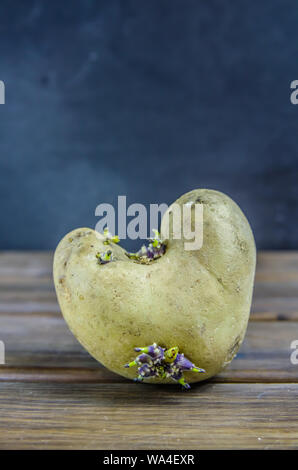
(196,300)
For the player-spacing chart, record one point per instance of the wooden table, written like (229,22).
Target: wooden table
(54,395)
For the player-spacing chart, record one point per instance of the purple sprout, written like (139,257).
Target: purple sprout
(155,352)
(155,361)
(154,250)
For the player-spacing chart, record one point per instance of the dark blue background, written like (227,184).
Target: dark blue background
(148,98)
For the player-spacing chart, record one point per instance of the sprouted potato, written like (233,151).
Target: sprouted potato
(196,302)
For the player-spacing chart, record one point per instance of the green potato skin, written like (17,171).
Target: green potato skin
(197,300)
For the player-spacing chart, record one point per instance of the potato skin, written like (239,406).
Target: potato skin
(196,300)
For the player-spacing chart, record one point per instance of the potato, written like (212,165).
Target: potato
(196,300)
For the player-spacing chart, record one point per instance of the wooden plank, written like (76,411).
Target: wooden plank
(271,265)
(39,263)
(19,266)
(54,395)
(266,309)
(42,348)
(277,261)
(276,286)
(26,285)
(26,282)
(275,309)
(130,416)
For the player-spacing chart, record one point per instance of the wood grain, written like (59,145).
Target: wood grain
(130,416)
(41,348)
(53,394)
(26,285)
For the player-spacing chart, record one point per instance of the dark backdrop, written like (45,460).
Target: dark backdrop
(148,98)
